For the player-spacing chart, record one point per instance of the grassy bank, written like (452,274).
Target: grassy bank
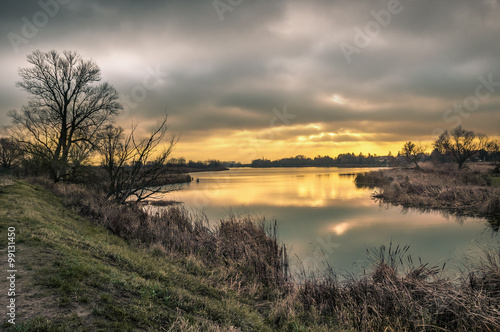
(76,275)
(85,265)
(473,191)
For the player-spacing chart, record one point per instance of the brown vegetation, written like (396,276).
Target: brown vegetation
(396,295)
(133,170)
(248,249)
(246,256)
(467,192)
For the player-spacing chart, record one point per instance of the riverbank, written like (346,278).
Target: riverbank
(327,166)
(185,170)
(85,264)
(172,178)
(472,192)
(88,264)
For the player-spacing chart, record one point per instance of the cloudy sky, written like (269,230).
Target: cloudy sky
(243,79)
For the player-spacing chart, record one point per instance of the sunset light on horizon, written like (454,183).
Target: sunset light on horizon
(281,78)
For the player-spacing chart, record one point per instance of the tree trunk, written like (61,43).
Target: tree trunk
(496,170)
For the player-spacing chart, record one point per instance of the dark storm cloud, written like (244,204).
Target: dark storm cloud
(267,54)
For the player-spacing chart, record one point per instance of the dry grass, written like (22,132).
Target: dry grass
(395,295)
(248,250)
(6,181)
(468,191)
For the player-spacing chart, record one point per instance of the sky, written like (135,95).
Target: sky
(245,79)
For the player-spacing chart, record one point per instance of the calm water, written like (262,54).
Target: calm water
(323,216)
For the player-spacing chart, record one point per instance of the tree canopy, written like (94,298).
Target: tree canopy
(65,111)
(413,152)
(461,144)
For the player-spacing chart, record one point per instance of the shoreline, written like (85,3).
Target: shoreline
(471,193)
(331,166)
(161,262)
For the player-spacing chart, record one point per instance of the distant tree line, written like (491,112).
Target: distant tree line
(198,165)
(458,146)
(210,164)
(344,159)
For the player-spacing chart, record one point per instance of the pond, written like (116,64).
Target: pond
(324,217)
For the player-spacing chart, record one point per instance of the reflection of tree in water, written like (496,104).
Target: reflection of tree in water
(459,216)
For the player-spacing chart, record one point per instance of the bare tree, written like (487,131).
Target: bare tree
(9,152)
(493,149)
(132,167)
(461,144)
(413,152)
(66,110)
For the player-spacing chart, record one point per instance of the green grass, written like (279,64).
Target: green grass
(74,275)
(80,277)
(495,181)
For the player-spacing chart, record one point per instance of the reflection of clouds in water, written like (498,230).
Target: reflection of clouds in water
(341,228)
(413,221)
(323,204)
(310,188)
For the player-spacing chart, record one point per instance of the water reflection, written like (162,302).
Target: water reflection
(323,215)
(303,187)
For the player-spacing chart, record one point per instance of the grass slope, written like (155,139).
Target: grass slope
(73,275)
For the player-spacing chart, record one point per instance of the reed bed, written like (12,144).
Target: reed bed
(396,294)
(245,251)
(468,192)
